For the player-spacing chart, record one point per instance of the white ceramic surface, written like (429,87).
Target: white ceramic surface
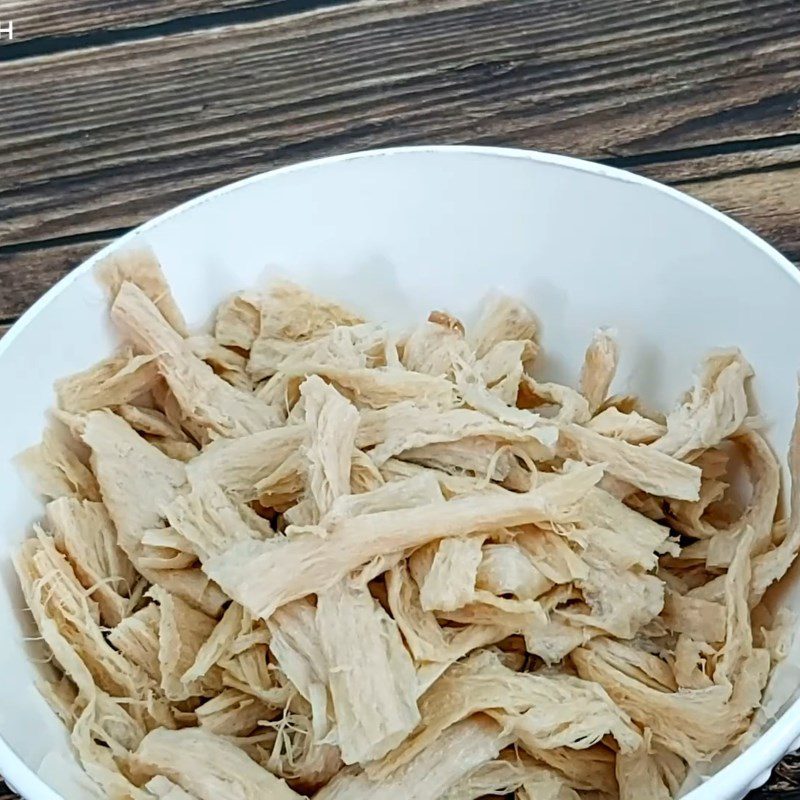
(396,233)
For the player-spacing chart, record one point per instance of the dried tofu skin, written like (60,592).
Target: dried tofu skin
(513,770)
(703,620)
(772,565)
(476,394)
(549,789)
(238,320)
(599,368)
(112,382)
(371,676)
(217,645)
(332,422)
(693,723)
(141,267)
(306,556)
(207,766)
(58,466)
(112,695)
(645,468)
(305,763)
(296,646)
(151,422)
(643,775)
(202,395)
(427,640)
(435,346)
(383,387)
(535,707)
(418,489)
(764,474)
(715,408)
(209,521)
(559,404)
(450,581)
(136,637)
(84,533)
(165,789)
(589,770)
(233,713)
(504,319)
(404,429)
(290,317)
(133,497)
(508,569)
(135,500)
(631,427)
(245,465)
(456,753)
(617,603)
(181,632)
(227,363)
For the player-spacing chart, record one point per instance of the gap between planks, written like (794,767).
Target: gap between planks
(53,27)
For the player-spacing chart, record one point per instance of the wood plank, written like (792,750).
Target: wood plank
(79,17)
(73,20)
(108,137)
(27,273)
(721,165)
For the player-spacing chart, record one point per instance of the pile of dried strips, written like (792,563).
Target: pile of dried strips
(303,556)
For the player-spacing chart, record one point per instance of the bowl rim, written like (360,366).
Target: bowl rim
(749,769)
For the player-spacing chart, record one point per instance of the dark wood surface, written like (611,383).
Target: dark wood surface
(115,111)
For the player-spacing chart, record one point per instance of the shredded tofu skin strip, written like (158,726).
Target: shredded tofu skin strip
(371,674)
(207,766)
(458,751)
(264,575)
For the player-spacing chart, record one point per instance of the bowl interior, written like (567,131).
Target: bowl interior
(396,234)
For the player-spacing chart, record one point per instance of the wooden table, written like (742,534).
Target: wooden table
(111,112)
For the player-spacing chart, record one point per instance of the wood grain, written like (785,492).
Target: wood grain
(26,274)
(110,136)
(76,19)
(686,169)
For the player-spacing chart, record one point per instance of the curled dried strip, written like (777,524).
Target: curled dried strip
(202,395)
(460,749)
(715,408)
(599,368)
(207,766)
(642,466)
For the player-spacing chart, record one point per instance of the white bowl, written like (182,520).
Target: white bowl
(397,233)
